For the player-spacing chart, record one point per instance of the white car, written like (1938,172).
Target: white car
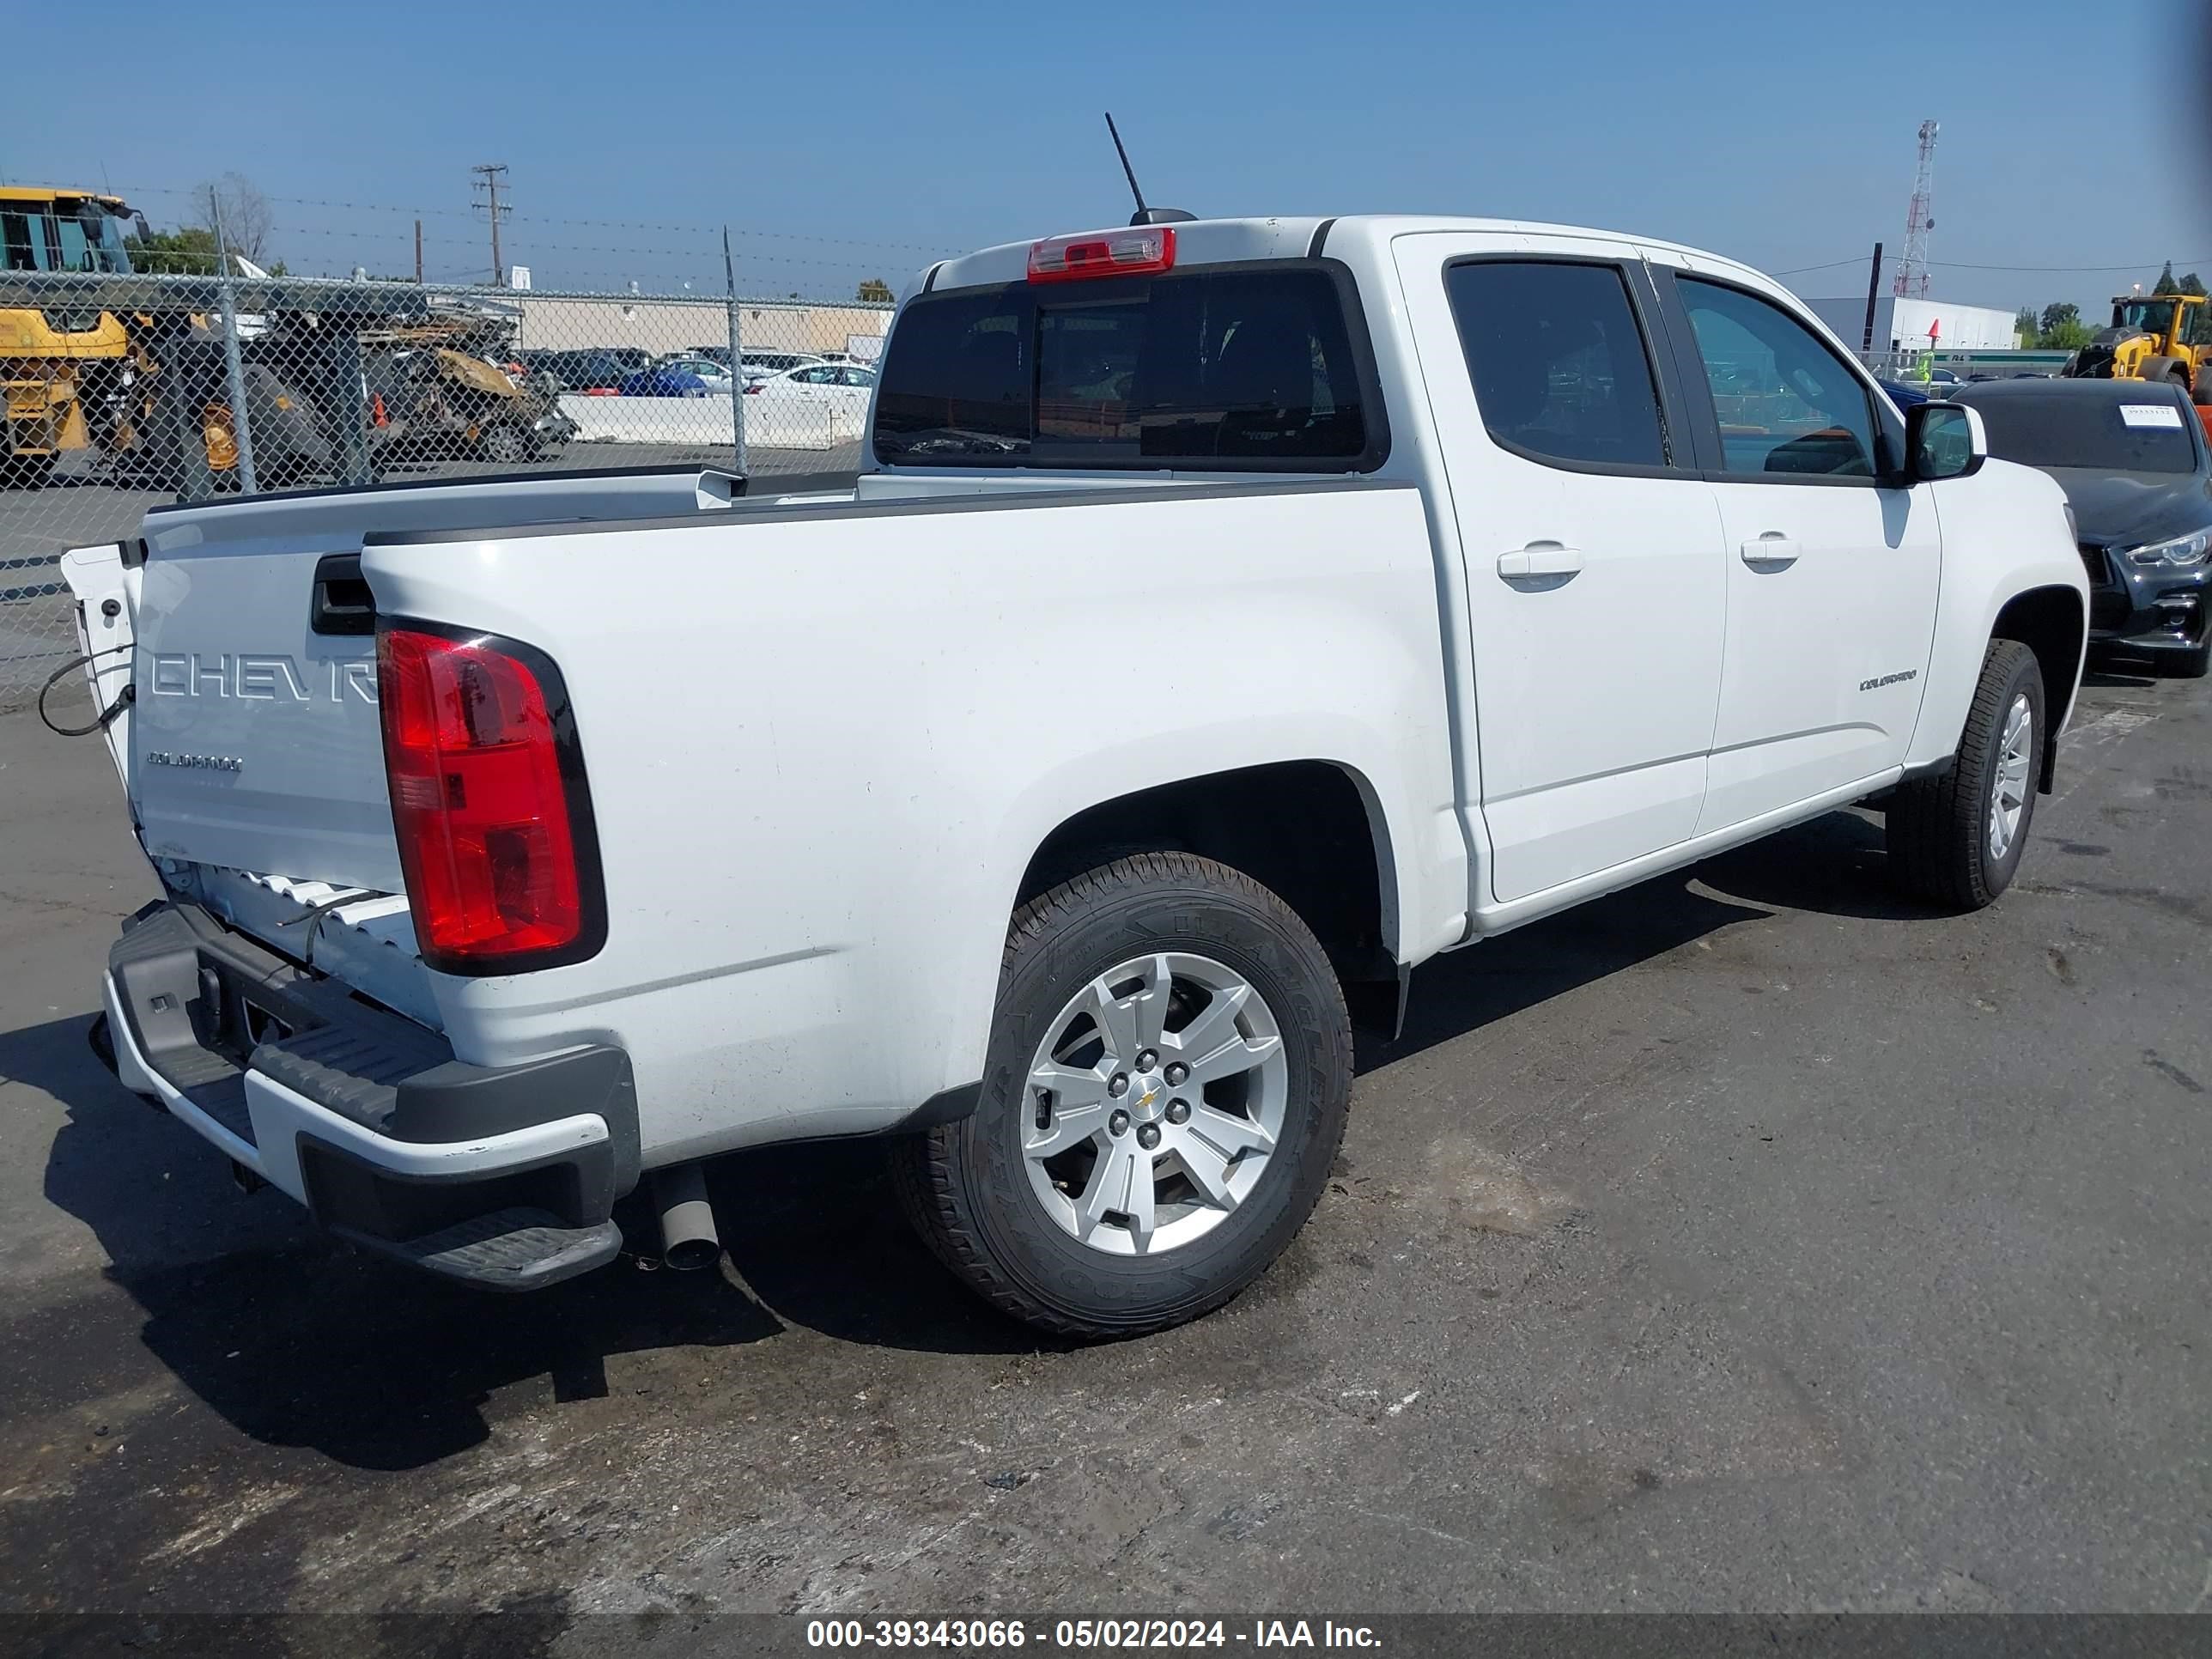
(714,374)
(846,385)
(830,398)
(766,365)
(1230,617)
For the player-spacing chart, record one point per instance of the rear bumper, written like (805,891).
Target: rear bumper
(504,1177)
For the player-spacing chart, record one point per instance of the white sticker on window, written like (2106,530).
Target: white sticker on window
(2151,414)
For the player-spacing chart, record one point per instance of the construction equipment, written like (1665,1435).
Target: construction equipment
(447,382)
(53,362)
(96,356)
(84,375)
(2160,337)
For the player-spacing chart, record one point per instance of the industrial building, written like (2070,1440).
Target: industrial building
(1903,325)
(665,323)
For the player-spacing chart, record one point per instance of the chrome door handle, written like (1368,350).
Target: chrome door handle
(1774,549)
(1538,559)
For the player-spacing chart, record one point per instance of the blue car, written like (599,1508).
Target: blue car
(663,382)
(1905,396)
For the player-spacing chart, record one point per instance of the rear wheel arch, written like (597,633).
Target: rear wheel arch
(2051,622)
(1312,832)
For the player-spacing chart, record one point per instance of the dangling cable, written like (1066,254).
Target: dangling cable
(128,695)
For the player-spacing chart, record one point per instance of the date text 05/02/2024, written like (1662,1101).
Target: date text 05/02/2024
(989,1635)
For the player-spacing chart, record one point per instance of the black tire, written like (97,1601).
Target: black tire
(1938,828)
(965,1185)
(506,443)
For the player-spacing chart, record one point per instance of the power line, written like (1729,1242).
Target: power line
(1961,264)
(2139,264)
(707,233)
(1799,271)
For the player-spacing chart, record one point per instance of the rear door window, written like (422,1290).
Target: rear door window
(1559,365)
(1232,368)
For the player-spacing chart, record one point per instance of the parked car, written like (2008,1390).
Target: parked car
(764,365)
(663,380)
(1230,617)
(755,364)
(2133,459)
(1903,394)
(583,371)
(711,375)
(847,385)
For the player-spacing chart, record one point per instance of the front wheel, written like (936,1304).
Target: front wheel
(1957,839)
(506,444)
(1167,1085)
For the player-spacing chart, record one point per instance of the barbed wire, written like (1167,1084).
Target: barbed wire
(1961,264)
(708,234)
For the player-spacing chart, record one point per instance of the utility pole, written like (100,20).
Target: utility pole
(490,175)
(418,253)
(1874,286)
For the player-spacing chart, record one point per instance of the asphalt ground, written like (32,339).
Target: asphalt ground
(1750,1240)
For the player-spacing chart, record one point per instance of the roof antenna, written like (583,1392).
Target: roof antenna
(1143,216)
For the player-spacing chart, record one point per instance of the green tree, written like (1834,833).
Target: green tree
(2166,284)
(2071,335)
(2060,315)
(875,291)
(188,251)
(2024,327)
(2192,283)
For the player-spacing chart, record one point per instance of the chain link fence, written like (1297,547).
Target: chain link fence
(128,391)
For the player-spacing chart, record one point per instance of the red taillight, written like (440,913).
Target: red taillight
(1140,250)
(492,835)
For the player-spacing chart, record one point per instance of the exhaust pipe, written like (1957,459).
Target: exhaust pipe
(688,1239)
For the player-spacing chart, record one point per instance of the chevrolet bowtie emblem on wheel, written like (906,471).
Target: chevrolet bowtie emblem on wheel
(1148,1097)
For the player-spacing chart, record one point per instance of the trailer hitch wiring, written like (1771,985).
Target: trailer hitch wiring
(106,717)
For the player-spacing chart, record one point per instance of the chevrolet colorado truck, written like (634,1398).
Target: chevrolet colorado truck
(1229,616)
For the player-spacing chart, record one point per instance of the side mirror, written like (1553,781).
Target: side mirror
(1944,440)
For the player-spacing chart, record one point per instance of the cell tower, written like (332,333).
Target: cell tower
(1919,219)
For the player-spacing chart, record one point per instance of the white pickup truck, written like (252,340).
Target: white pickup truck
(1229,616)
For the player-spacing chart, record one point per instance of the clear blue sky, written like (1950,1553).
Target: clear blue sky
(1780,133)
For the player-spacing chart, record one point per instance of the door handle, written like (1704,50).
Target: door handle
(1771,548)
(1538,559)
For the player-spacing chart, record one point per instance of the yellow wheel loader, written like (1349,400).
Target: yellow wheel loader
(2164,337)
(58,365)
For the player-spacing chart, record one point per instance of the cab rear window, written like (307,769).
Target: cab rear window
(1224,369)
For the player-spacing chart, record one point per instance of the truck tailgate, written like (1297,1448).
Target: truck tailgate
(254,742)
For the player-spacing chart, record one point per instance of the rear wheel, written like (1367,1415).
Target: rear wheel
(1957,839)
(1167,1085)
